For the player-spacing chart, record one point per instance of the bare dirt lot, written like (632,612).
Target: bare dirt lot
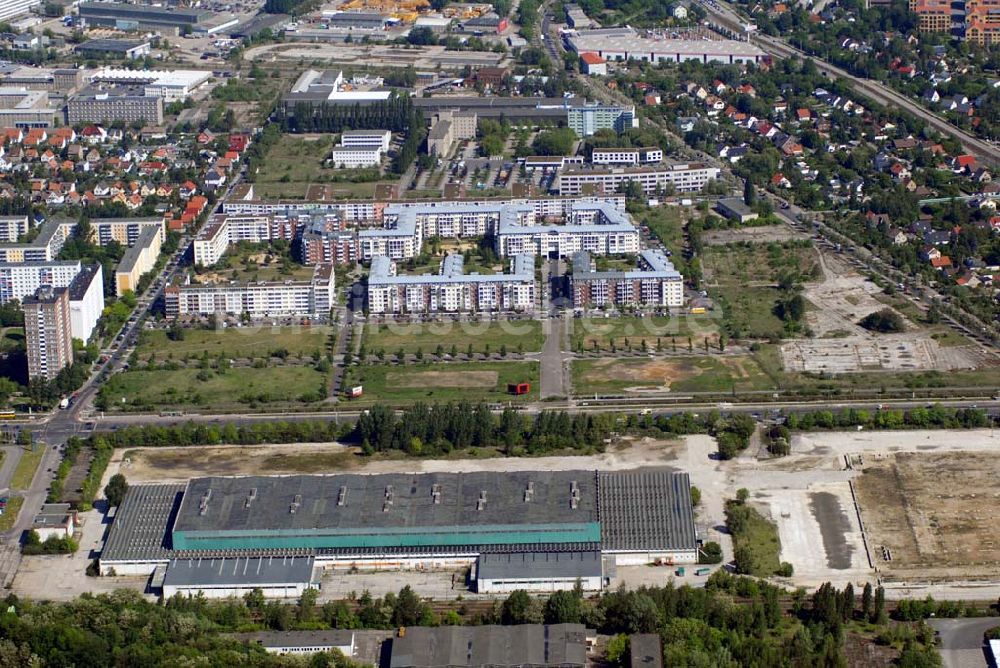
(163,465)
(842,298)
(931,516)
(762,234)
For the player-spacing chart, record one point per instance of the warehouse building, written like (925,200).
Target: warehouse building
(59,80)
(114,48)
(631,46)
(404,521)
(171,85)
(276,577)
(502,573)
(23,108)
(167,20)
(535,645)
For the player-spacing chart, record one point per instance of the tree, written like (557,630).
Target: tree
(711,553)
(884,321)
(563,607)
(617,653)
(554,142)
(115,490)
(749,193)
(422,36)
(695,496)
(519,608)
(866,601)
(743,559)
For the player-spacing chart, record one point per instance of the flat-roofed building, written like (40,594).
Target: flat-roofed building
(139,259)
(535,645)
(353,157)
(12,8)
(451,290)
(305,299)
(111,106)
(367,139)
(504,572)
(55,520)
(171,85)
(302,642)
(631,46)
(594,227)
(577,180)
(24,108)
(125,231)
(654,282)
(626,156)
(58,80)
(47,332)
(116,48)
(734,208)
(86,301)
(282,577)
(44,247)
(172,20)
(588,119)
(12,227)
(22,279)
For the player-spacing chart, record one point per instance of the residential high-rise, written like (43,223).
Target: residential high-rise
(48,331)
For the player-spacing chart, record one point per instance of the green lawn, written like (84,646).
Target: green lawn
(272,387)
(296,162)
(677,374)
(472,381)
(24,472)
(10,513)
(755,532)
(750,310)
(12,339)
(428,336)
(631,331)
(738,264)
(235,342)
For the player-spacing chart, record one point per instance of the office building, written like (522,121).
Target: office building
(13,8)
(587,120)
(20,280)
(448,127)
(305,299)
(451,290)
(576,180)
(111,106)
(654,282)
(139,259)
(24,108)
(47,332)
(379,139)
(628,45)
(353,157)
(316,88)
(86,301)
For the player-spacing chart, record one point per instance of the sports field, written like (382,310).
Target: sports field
(472,381)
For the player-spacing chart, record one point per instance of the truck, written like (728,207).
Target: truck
(680,571)
(703,571)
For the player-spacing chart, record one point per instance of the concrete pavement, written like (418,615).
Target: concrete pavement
(961,641)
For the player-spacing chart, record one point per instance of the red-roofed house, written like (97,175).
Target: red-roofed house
(593,64)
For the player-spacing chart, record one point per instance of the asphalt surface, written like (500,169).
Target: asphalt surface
(961,641)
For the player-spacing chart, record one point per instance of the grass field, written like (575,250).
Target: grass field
(427,336)
(749,310)
(24,472)
(630,331)
(235,388)
(473,381)
(235,342)
(676,374)
(667,223)
(759,535)
(940,332)
(10,513)
(740,264)
(296,162)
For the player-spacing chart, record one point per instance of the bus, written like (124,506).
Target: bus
(7,415)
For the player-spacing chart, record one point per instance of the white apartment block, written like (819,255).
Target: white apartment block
(352,157)
(125,230)
(654,283)
(86,301)
(367,139)
(313,298)
(597,228)
(451,290)
(626,156)
(221,230)
(44,248)
(18,280)
(683,177)
(12,227)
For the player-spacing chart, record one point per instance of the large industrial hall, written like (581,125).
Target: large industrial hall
(539,530)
